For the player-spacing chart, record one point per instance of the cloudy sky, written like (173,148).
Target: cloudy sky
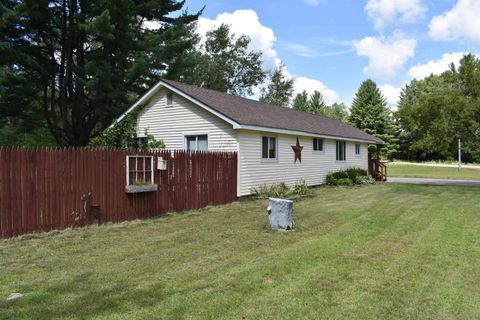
(333,45)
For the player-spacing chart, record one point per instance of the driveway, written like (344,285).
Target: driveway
(440,182)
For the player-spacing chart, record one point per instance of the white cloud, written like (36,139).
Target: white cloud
(386,55)
(421,71)
(248,23)
(313,3)
(461,22)
(387,12)
(391,94)
(300,50)
(310,85)
(263,39)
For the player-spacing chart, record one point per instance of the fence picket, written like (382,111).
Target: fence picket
(41,189)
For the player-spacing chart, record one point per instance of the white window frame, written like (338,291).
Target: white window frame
(358,149)
(276,149)
(323,146)
(136,171)
(344,151)
(185,143)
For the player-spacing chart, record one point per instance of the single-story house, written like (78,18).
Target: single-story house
(274,144)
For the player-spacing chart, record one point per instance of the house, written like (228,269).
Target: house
(274,144)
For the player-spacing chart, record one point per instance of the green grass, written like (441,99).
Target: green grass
(423,171)
(377,252)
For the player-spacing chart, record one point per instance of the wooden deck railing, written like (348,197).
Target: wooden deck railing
(377,169)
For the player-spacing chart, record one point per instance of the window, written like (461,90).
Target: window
(357,148)
(142,142)
(269,148)
(196,143)
(169,99)
(341,151)
(139,170)
(317,144)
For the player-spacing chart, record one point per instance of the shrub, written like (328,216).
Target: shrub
(299,189)
(281,190)
(354,175)
(344,182)
(364,180)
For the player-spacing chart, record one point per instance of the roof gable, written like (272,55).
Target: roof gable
(243,113)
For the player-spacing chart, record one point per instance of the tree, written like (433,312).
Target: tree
(224,63)
(369,112)
(338,111)
(316,103)
(437,111)
(300,102)
(280,89)
(83,62)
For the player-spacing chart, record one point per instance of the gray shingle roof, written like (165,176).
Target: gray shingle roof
(254,113)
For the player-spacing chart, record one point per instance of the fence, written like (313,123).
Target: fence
(46,189)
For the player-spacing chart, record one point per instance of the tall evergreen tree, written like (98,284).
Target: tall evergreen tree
(82,62)
(369,112)
(316,104)
(280,89)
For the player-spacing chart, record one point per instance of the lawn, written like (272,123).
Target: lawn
(376,252)
(423,171)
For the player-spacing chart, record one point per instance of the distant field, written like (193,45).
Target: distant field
(417,171)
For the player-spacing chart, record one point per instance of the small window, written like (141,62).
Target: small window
(139,170)
(196,143)
(142,142)
(341,151)
(317,144)
(169,99)
(357,148)
(269,147)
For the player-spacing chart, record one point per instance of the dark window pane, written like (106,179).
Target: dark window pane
(265,147)
(320,144)
(192,143)
(315,144)
(273,148)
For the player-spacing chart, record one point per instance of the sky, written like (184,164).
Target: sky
(334,45)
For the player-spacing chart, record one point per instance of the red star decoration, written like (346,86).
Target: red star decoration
(298,151)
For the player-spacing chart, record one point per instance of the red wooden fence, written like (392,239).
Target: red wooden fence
(46,189)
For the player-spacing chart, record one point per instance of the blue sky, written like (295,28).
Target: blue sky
(333,45)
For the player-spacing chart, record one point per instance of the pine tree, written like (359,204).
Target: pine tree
(316,104)
(84,62)
(280,89)
(370,113)
(300,102)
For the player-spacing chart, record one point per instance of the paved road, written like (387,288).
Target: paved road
(440,182)
(436,165)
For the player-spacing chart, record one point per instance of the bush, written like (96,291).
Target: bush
(281,190)
(353,175)
(344,182)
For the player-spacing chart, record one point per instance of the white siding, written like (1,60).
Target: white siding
(171,123)
(254,172)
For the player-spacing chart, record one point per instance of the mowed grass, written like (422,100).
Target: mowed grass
(376,252)
(424,171)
